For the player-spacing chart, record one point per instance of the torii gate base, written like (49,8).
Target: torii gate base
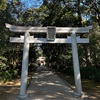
(27,39)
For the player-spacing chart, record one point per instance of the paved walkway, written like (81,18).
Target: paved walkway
(45,85)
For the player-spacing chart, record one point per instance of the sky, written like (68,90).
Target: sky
(32,3)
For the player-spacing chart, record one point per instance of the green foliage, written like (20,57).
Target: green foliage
(7,75)
(91,73)
(8,56)
(69,71)
(56,56)
(3,4)
(97,76)
(57,13)
(88,72)
(93,7)
(34,53)
(3,63)
(89,54)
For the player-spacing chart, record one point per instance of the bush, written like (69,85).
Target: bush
(6,71)
(69,71)
(88,72)
(97,76)
(91,73)
(7,75)
(3,63)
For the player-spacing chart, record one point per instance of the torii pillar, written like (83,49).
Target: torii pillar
(76,67)
(23,87)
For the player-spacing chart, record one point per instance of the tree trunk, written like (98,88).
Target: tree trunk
(87,56)
(79,14)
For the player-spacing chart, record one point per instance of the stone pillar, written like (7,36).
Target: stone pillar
(23,95)
(77,76)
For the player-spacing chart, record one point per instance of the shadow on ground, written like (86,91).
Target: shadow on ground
(8,92)
(45,85)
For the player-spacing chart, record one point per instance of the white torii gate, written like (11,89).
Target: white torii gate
(27,39)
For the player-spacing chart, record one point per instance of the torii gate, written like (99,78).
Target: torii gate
(51,36)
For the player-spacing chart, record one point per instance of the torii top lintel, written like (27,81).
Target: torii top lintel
(14,28)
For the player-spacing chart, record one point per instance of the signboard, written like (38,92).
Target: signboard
(51,33)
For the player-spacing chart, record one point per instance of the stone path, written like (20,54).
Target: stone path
(45,85)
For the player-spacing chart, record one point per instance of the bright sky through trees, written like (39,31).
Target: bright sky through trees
(32,3)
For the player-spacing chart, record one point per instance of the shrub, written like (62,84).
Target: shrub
(88,72)
(91,73)
(6,73)
(97,76)
(69,71)
(3,63)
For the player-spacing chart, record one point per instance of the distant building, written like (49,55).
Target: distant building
(41,61)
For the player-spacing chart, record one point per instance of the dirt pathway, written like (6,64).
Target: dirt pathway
(9,90)
(46,85)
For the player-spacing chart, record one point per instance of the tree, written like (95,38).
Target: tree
(3,4)
(93,8)
(89,53)
(61,13)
